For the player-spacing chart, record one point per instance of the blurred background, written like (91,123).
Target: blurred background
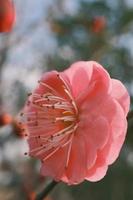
(52,34)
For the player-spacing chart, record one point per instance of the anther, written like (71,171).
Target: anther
(29,94)
(25,153)
(51,137)
(36,123)
(28,103)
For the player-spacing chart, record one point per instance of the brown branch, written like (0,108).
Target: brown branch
(46,191)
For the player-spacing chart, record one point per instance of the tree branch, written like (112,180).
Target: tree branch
(46,190)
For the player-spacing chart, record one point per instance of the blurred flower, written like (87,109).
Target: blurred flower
(76,122)
(56,28)
(7,15)
(98,24)
(5,119)
(31,196)
(18,128)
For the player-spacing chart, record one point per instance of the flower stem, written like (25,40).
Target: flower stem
(46,190)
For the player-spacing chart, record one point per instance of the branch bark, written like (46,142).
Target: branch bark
(46,190)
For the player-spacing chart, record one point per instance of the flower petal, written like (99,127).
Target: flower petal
(117,136)
(113,113)
(96,174)
(54,166)
(82,155)
(112,149)
(119,92)
(76,72)
(99,86)
(96,130)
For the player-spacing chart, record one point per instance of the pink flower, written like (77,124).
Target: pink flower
(98,24)
(76,122)
(7,15)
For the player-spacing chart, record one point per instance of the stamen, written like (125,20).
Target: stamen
(69,150)
(68,112)
(63,82)
(63,106)
(52,97)
(55,113)
(63,130)
(47,86)
(72,100)
(68,92)
(41,99)
(66,118)
(29,94)
(49,155)
(21,114)
(41,113)
(36,95)
(37,149)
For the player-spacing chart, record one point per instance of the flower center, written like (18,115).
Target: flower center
(53,121)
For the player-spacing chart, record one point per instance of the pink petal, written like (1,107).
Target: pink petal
(100,74)
(78,163)
(96,135)
(112,149)
(79,76)
(54,166)
(119,122)
(117,136)
(98,170)
(96,131)
(106,107)
(99,86)
(82,155)
(89,137)
(119,92)
(96,173)
(113,113)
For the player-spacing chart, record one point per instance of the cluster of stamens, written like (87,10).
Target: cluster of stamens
(54,113)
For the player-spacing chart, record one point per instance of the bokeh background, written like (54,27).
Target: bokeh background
(52,34)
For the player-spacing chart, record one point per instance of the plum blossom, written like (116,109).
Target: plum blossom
(76,122)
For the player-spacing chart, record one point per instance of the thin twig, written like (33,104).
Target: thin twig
(46,190)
